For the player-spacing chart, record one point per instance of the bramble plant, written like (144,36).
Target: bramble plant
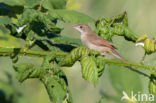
(35,21)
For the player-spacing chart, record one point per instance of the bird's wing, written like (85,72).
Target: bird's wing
(95,39)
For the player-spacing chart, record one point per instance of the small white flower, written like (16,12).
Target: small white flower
(140,44)
(20,28)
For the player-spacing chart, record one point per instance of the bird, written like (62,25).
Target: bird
(95,42)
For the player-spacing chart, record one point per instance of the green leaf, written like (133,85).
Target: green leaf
(70,16)
(54,79)
(27,70)
(100,65)
(118,25)
(6,40)
(28,16)
(89,69)
(66,40)
(152,85)
(10,11)
(54,4)
(57,87)
(13,2)
(59,4)
(5,20)
(5,10)
(8,94)
(32,3)
(130,35)
(38,21)
(74,56)
(54,89)
(47,59)
(47,4)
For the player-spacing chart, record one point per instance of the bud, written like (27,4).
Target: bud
(149,46)
(152,85)
(142,38)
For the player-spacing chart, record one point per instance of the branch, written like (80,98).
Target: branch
(127,64)
(27,52)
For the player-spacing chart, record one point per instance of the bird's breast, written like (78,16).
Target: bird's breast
(90,45)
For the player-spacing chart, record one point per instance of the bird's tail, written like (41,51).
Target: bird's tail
(116,54)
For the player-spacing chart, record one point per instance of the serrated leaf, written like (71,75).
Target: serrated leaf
(47,60)
(32,3)
(54,89)
(7,40)
(57,87)
(28,16)
(47,4)
(5,20)
(4,10)
(54,4)
(100,65)
(152,84)
(89,69)
(8,94)
(70,16)
(13,2)
(74,56)
(27,70)
(59,4)
(152,87)
(38,21)
(118,25)
(10,11)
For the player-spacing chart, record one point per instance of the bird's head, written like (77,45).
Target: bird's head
(82,28)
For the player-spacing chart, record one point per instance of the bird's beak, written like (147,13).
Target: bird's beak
(74,27)
(77,28)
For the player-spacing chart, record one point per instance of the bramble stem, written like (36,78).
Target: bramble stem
(143,58)
(135,65)
(26,52)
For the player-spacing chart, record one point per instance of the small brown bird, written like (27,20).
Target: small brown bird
(95,42)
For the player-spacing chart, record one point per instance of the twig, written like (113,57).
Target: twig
(26,52)
(143,58)
(135,65)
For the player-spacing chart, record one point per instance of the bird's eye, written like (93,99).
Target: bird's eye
(81,27)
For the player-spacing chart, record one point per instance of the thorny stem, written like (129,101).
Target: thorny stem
(143,58)
(127,64)
(26,52)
